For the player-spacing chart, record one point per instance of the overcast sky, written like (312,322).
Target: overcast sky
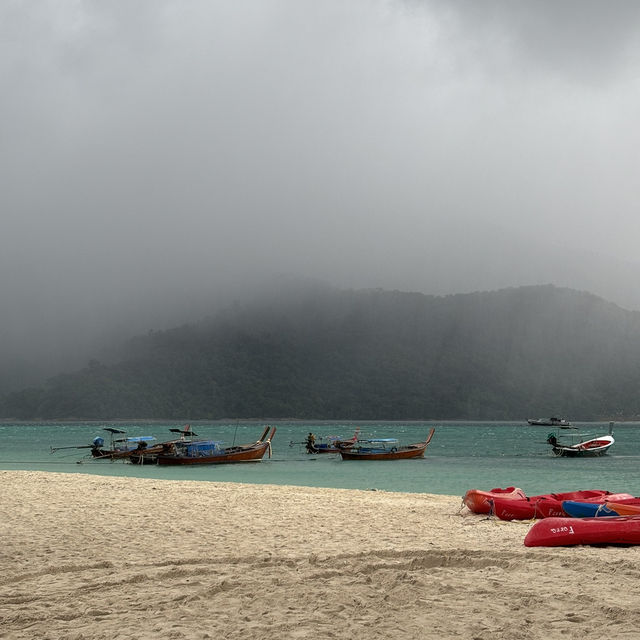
(158,146)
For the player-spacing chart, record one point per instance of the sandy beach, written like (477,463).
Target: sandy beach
(87,556)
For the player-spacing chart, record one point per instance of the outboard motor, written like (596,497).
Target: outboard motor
(97,442)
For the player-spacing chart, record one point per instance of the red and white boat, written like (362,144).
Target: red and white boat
(569,442)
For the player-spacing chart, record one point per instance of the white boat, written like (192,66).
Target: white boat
(549,422)
(570,442)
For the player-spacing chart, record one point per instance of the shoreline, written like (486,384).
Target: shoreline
(88,556)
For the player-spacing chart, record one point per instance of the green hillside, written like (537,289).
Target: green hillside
(513,353)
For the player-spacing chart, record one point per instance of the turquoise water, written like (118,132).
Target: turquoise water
(462,455)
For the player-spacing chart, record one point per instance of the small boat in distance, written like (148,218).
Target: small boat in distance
(385,449)
(213,451)
(327,444)
(569,442)
(549,422)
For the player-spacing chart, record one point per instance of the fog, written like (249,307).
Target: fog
(160,158)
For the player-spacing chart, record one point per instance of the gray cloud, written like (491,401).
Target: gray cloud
(157,152)
(578,40)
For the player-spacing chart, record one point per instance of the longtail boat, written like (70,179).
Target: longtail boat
(213,452)
(385,449)
(149,455)
(327,444)
(120,445)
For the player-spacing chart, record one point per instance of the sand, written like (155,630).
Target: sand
(86,556)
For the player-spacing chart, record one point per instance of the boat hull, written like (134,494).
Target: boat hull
(593,447)
(146,457)
(562,532)
(243,453)
(402,453)
(249,454)
(408,452)
(105,454)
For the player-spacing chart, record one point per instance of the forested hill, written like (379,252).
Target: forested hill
(513,353)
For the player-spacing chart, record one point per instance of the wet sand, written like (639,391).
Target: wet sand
(86,556)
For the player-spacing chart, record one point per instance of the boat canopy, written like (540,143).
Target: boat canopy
(203,448)
(380,440)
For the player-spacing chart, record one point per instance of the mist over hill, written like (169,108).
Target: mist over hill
(58,326)
(368,354)
(163,163)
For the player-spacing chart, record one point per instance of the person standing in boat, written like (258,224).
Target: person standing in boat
(311,443)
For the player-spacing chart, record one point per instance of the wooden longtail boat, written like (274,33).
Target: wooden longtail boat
(385,449)
(212,452)
(119,447)
(149,455)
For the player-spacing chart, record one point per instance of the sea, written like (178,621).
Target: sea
(461,456)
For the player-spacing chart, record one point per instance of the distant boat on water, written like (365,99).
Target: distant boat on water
(567,441)
(549,422)
(385,449)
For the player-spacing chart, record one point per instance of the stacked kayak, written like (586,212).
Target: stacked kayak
(562,532)
(589,517)
(544,506)
(513,504)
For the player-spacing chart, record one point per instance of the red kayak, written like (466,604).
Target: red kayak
(479,501)
(548,505)
(562,532)
(527,509)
